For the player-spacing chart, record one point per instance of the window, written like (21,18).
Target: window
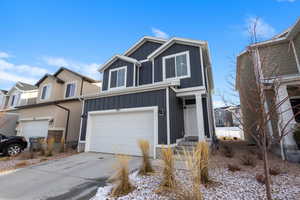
(70,90)
(46,89)
(117,77)
(14,100)
(177,65)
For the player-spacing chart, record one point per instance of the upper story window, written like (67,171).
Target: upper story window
(176,65)
(14,100)
(117,77)
(70,90)
(45,93)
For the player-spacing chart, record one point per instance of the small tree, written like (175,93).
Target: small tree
(254,100)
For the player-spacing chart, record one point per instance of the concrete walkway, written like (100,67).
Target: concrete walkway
(76,177)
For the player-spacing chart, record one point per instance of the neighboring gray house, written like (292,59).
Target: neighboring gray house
(20,94)
(158,90)
(223,117)
(279,59)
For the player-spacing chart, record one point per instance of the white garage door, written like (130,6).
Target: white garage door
(118,131)
(34,128)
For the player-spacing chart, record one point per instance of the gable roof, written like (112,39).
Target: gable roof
(173,41)
(3,91)
(139,43)
(116,57)
(77,74)
(25,86)
(46,76)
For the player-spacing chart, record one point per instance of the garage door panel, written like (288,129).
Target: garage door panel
(120,132)
(34,129)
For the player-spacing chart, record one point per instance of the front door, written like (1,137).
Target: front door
(190,120)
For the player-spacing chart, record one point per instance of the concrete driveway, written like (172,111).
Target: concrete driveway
(76,177)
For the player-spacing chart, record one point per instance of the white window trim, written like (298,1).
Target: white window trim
(109,77)
(187,53)
(75,89)
(47,95)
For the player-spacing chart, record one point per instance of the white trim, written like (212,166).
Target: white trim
(296,56)
(168,116)
(139,43)
(155,123)
(48,91)
(175,40)
(114,58)
(134,75)
(130,90)
(142,61)
(187,53)
(202,66)
(36,119)
(80,129)
(190,89)
(125,78)
(75,89)
(200,118)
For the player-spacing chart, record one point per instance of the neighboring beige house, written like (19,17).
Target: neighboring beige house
(20,94)
(278,58)
(58,107)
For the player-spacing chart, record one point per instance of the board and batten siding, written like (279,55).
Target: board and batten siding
(176,117)
(143,51)
(145,73)
(195,64)
(135,100)
(205,117)
(116,64)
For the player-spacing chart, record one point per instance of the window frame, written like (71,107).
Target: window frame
(125,78)
(188,65)
(66,87)
(48,92)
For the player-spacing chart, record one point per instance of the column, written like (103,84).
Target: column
(200,121)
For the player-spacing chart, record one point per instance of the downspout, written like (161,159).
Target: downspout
(68,117)
(81,87)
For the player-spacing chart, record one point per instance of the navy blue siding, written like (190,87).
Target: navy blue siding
(195,63)
(144,99)
(145,73)
(143,51)
(116,64)
(205,116)
(176,117)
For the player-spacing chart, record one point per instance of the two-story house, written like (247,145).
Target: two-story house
(273,61)
(57,111)
(20,94)
(158,90)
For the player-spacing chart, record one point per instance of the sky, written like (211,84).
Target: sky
(38,37)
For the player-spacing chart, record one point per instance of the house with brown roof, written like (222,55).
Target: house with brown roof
(58,107)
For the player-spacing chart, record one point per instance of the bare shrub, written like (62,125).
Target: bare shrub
(248,160)
(146,167)
(233,168)
(228,151)
(168,181)
(122,185)
(186,193)
(274,171)
(260,178)
(202,149)
(27,155)
(50,146)
(21,164)
(62,147)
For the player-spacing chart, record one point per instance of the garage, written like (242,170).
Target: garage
(117,131)
(34,128)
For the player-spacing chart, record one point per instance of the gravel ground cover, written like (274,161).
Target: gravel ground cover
(226,185)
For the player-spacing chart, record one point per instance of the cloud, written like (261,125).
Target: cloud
(159,33)
(55,61)
(218,103)
(290,1)
(88,69)
(26,73)
(263,30)
(4,55)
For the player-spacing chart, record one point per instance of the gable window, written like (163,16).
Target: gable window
(117,77)
(46,89)
(70,90)
(14,100)
(176,66)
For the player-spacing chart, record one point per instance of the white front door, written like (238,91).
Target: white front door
(190,120)
(34,129)
(118,132)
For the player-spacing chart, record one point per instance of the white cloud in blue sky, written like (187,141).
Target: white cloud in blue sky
(291,1)
(263,29)
(4,55)
(159,33)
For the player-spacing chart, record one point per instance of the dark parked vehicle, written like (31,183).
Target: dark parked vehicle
(12,145)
